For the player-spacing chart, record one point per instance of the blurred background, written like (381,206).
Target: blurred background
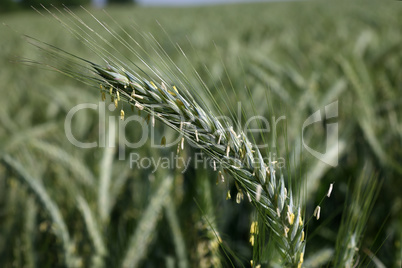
(64,206)
(14,5)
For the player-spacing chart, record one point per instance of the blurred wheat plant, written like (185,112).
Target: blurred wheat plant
(162,90)
(354,221)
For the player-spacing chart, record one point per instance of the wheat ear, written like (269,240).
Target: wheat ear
(232,150)
(176,107)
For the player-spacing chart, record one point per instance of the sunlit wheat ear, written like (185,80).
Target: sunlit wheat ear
(175,105)
(234,152)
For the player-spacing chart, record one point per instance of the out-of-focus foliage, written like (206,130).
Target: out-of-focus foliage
(8,5)
(294,57)
(48,3)
(13,5)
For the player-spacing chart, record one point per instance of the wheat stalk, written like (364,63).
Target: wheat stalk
(176,107)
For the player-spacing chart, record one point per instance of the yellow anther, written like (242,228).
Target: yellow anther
(220,177)
(317,212)
(239,197)
(286,231)
(163,141)
(291,218)
(122,114)
(172,93)
(111,90)
(179,102)
(242,153)
(175,89)
(228,196)
(302,238)
(254,228)
(252,240)
(118,95)
(103,96)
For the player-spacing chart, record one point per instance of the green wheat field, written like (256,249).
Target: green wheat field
(164,205)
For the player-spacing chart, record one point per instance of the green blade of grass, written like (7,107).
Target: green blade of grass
(177,234)
(94,233)
(140,240)
(106,168)
(76,166)
(60,229)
